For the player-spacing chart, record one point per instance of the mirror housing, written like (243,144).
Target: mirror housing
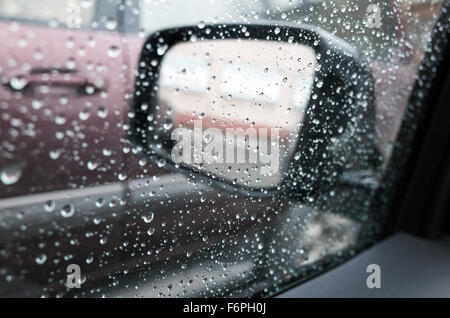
(338,128)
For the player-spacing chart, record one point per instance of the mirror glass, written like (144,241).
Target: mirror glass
(233,108)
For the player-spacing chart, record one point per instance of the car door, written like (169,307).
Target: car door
(62,96)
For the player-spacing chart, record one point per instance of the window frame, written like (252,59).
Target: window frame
(417,156)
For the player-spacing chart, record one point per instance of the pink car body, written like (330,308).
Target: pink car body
(63,108)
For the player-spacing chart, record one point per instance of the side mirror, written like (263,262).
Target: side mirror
(258,109)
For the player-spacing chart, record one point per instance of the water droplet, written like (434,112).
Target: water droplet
(149,217)
(107,152)
(89,89)
(67,211)
(111,24)
(36,104)
(71,63)
(92,165)
(84,114)
(12,172)
(113,51)
(201,25)
(142,162)
(41,259)
(60,119)
(162,49)
(37,55)
(49,206)
(102,112)
(168,125)
(92,42)
(161,163)
(18,82)
(99,203)
(55,154)
(151,231)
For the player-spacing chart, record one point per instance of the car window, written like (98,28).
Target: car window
(77,195)
(93,14)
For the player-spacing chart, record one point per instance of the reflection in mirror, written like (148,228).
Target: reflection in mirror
(234,108)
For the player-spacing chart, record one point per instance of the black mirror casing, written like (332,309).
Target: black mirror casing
(338,131)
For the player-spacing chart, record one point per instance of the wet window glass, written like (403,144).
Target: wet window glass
(78,197)
(93,14)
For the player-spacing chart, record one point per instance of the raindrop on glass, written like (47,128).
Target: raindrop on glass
(11,173)
(67,211)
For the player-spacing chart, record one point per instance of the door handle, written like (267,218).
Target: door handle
(20,80)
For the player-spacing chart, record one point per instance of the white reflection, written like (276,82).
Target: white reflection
(255,83)
(185,72)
